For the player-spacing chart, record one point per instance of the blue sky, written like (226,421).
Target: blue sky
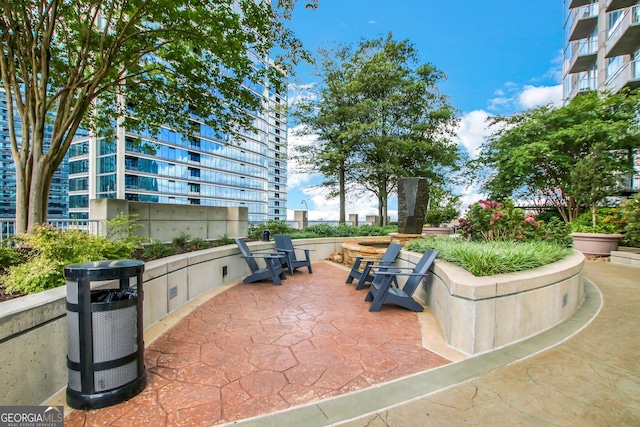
(500,56)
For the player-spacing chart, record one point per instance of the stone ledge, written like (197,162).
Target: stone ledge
(627,257)
(480,314)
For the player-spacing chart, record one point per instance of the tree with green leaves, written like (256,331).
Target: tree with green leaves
(380,117)
(85,63)
(534,153)
(443,207)
(594,177)
(327,115)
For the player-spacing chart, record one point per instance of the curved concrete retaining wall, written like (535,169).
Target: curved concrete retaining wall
(480,314)
(476,314)
(33,329)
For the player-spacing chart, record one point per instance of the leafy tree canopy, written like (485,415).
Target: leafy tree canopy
(534,153)
(379,117)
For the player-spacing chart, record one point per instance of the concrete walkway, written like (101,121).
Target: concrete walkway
(584,372)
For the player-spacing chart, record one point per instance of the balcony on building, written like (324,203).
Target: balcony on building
(577,3)
(619,4)
(584,55)
(584,83)
(625,38)
(626,76)
(584,20)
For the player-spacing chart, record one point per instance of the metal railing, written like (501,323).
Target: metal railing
(91,226)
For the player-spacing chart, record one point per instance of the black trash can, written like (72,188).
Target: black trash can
(105,357)
(266,235)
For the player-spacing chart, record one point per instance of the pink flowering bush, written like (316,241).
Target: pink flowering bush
(501,221)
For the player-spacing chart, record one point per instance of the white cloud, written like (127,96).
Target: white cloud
(296,92)
(537,96)
(514,97)
(295,177)
(372,22)
(321,207)
(468,197)
(473,130)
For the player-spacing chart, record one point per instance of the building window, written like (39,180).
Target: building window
(194,157)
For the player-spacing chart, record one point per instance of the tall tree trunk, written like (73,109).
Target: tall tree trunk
(342,190)
(38,195)
(380,210)
(22,198)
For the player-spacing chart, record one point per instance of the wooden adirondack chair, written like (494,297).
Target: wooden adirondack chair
(284,244)
(273,265)
(381,290)
(366,274)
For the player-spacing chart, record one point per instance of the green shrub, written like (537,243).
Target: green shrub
(181,241)
(376,230)
(49,249)
(490,258)
(225,240)
(490,221)
(122,229)
(608,221)
(326,230)
(556,231)
(39,274)
(303,235)
(9,256)
(497,221)
(274,227)
(158,250)
(630,213)
(198,244)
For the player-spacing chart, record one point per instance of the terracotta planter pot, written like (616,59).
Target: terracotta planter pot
(596,243)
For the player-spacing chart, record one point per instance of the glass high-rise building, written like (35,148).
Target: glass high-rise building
(58,194)
(602,51)
(206,169)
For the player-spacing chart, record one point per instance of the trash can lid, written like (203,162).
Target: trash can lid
(104,270)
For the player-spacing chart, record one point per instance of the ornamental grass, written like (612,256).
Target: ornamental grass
(491,258)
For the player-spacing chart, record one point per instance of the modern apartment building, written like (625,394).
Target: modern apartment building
(207,169)
(602,50)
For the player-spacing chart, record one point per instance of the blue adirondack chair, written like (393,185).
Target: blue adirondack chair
(381,290)
(366,274)
(273,265)
(285,245)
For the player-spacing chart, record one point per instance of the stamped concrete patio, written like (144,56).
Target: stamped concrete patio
(355,369)
(258,348)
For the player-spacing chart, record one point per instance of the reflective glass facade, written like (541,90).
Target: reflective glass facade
(208,169)
(58,195)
